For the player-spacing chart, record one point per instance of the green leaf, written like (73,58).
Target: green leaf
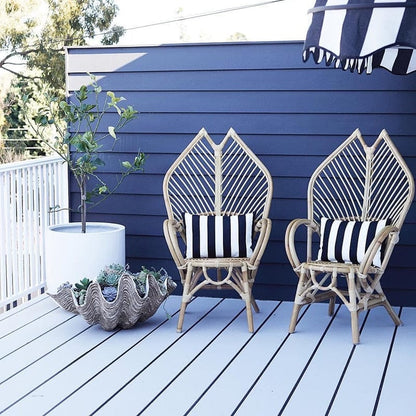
(97,161)
(114,100)
(112,132)
(129,113)
(139,160)
(126,164)
(111,95)
(85,108)
(82,94)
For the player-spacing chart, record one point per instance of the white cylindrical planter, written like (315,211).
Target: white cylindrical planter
(72,255)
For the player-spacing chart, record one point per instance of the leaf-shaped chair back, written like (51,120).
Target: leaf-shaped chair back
(361,182)
(217,179)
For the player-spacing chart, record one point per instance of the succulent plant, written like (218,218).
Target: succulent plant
(83,284)
(65,285)
(108,280)
(140,279)
(80,290)
(110,275)
(109,293)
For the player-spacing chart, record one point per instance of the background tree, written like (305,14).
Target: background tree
(35,32)
(33,36)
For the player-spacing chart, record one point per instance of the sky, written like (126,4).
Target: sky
(282,20)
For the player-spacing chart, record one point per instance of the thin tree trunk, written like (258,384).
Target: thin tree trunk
(84,205)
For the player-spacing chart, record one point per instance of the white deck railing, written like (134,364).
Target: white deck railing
(27,192)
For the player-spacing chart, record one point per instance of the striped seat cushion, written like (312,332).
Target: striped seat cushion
(347,241)
(214,236)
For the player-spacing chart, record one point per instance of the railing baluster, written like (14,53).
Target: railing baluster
(27,191)
(4,221)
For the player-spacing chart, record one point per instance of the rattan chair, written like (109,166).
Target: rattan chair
(357,189)
(210,191)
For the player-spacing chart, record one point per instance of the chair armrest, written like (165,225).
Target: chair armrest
(389,231)
(171,228)
(290,238)
(264,227)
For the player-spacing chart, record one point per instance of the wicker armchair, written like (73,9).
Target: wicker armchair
(357,202)
(212,194)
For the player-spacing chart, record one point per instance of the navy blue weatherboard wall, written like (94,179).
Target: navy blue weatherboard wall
(290,113)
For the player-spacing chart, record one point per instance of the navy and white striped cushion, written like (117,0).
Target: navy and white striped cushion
(214,236)
(347,241)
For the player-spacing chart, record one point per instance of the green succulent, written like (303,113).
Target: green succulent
(80,290)
(108,280)
(83,284)
(140,279)
(110,275)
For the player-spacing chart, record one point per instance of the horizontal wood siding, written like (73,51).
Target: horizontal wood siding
(291,114)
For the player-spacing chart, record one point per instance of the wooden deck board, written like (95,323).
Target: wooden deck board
(399,384)
(270,392)
(17,318)
(39,348)
(173,361)
(52,362)
(317,384)
(123,363)
(366,365)
(205,367)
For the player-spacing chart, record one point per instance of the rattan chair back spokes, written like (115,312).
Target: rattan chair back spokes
(225,179)
(361,182)
(358,183)
(221,179)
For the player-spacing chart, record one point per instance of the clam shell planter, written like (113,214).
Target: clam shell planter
(125,311)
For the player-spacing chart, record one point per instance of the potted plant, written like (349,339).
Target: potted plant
(76,250)
(118,297)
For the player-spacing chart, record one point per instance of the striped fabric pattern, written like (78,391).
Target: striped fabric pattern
(360,36)
(211,236)
(347,241)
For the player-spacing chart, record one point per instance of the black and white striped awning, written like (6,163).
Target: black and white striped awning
(359,35)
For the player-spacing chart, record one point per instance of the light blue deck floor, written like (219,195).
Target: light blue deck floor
(52,362)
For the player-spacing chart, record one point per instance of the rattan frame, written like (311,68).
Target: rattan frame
(356,182)
(217,179)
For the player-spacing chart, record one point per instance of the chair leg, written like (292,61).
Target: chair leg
(294,318)
(331,306)
(247,296)
(254,304)
(181,316)
(249,315)
(185,298)
(397,321)
(299,301)
(353,308)
(354,328)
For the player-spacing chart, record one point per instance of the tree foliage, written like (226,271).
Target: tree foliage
(33,37)
(14,132)
(35,32)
